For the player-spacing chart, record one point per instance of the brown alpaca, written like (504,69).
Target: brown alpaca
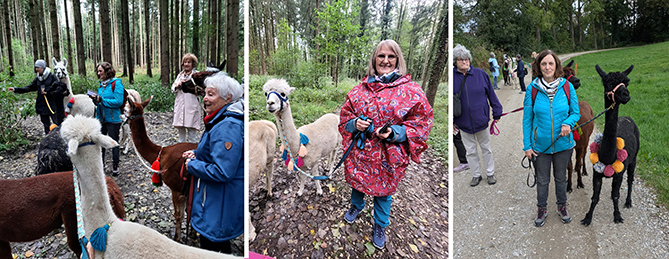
(33,207)
(582,144)
(170,160)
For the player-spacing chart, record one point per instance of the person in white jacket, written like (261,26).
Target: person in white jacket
(187,111)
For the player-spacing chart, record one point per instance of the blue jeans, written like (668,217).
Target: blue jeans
(495,85)
(381,206)
(542,167)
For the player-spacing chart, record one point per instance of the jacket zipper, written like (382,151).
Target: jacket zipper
(552,127)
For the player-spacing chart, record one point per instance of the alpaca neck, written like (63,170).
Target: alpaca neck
(147,149)
(284,119)
(608,148)
(94,195)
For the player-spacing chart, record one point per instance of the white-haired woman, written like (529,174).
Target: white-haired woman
(386,96)
(218,166)
(186,105)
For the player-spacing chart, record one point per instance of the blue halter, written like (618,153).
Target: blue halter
(283,100)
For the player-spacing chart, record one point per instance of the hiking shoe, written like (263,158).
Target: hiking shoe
(564,215)
(351,214)
(460,168)
(541,217)
(115,170)
(476,181)
(379,236)
(492,180)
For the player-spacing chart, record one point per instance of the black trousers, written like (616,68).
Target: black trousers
(47,120)
(460,148)
(112,130)
(221,247)
(522,83)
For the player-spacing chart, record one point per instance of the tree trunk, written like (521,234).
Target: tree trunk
(164,45)
(440,61)
(125,23)
(148,38)
(232,40)
(8,35)
(34,24)
(213,31)
(429,49)
(79,38)
(538,35)
(54,30)
(400,20)
(43,41)
(571,31)
(96,54)
(105,31)
(69,40)
(594,34)
(385,19)
(196,28)
(580,25)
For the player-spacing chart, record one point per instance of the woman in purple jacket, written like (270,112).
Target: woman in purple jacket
(476,97)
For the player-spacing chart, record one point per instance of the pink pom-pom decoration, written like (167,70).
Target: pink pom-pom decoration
(608,171)
(594,147)
(621,155)
(299,162)
(287,161)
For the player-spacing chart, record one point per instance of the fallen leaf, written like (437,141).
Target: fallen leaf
(154,190)
(370,248)
(317,245)
(422,242)
(442,185)
(14,256)
(412,222)
(414,248)
(335,232)
(310,207)
(29,254)
(324,245)
(313,232)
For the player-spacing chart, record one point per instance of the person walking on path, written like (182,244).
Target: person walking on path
(494,68)
(476,97)
(521,73)
(548,119)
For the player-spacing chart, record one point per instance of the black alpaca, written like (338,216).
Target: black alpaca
(615,87)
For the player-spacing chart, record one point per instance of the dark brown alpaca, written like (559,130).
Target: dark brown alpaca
(196,85)
(170,160)
(33,207)
(616,93)
(582,144)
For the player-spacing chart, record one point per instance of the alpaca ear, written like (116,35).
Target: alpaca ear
(131,102)
(65,61)
(146,103)
(222,65)
(600,71)
(629,70)
(570,63)
(53,62)
(210,64)
(72,147)
(290,90)
(105,141)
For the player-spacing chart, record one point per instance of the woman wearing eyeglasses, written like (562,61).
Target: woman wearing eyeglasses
(386,96)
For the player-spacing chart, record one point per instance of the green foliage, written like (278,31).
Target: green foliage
(163,98)
(438,139)
(647,107)
(14,108)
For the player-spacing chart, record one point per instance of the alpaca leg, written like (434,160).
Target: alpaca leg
(5,250)
(570,169)
(316,171)
(126,138)
(178,203)
(585,172)
(71,233)
(331,161)
(270,175)
(252,229)
(580,156)
(630,180)
(597,188)
(303,179)
(615,196)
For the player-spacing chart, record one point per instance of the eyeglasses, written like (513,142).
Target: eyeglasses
(390,57)
(461,60)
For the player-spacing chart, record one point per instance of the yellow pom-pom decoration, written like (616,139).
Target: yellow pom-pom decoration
(52,126)
(281,148)
(303,151)
(620,143)
(594,158)
(618,166)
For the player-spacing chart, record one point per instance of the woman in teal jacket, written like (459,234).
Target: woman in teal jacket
(109,101)
(548,120)
(218,166)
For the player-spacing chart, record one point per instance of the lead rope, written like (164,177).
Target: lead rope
(295,168)
(81,233)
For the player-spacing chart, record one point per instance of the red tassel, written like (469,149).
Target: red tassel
(156,165)
(576,135)
(156,180)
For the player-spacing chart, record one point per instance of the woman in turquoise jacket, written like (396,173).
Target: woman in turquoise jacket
(109,101)
(218,166)
(548,119)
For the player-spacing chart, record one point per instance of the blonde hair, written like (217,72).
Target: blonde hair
(400,64)
(191,57)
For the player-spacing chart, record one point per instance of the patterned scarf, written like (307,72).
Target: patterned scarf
(550,88)
(386,78)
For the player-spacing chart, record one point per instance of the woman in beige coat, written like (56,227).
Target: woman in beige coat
(187,114)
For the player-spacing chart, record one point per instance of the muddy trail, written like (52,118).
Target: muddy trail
(493,221)
(313,226)
(144,203)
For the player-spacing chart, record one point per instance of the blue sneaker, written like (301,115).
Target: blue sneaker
(351,214)
(379,236)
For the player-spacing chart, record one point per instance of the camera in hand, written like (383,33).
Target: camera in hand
(92,94)
(384,128)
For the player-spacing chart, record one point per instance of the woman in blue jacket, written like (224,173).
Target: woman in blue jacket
(218,166)
(109,101)
(548,120)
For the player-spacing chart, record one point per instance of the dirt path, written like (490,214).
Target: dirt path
(497,220)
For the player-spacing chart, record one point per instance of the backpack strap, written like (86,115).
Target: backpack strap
(565,86)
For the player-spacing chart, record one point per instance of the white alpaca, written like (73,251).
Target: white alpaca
(124,239)
(60,70)
(81,105)
(124,136)
(324,137)
(262,146)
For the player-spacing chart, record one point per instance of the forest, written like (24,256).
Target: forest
(316,42)
(523,26)
(145,36)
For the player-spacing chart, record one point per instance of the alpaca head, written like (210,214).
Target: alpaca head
(136,108)
(80,104)
(212,68)
(59,68)
(79,131)
(570,74)
(196,84)
(615,85)
(277,92)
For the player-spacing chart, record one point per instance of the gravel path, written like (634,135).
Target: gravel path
(493,221)
(144,203)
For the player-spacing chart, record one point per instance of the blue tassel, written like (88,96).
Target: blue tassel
(304,140)
(284,156)
(83,242)
(99,238)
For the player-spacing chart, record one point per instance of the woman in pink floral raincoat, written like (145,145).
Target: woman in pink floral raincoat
(375,167)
